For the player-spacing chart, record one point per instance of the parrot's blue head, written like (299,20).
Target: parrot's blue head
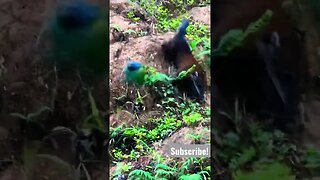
(76,15)
(133,66)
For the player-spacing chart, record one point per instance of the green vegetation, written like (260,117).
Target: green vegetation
(138,139)
(163,171)
(274,171)
(236,37)
(250,151)
(168,16)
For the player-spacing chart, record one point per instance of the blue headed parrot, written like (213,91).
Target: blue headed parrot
(79,37)
(139,74)
(135,73)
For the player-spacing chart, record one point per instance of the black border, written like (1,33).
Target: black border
(211,90)
(108,91)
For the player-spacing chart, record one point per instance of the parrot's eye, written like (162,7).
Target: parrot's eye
(133,67)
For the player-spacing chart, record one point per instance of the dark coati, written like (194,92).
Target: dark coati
(178,52)
(268,73)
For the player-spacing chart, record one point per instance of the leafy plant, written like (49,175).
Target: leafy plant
(140,175)
(312,158)
(275,171)
(198,176)
(236,37)
(93,120)
(242,158)
(121,169)
(116,27)
(30,150)
(130,31)
(32,117)
(132,16)
(164,171)
(192,118)
(152,77)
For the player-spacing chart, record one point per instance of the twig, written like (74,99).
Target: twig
(54,90)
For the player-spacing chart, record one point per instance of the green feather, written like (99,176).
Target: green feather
(136,77)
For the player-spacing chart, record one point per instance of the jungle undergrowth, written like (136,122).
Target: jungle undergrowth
(251,151)
(35,130)
(168,16)
(175,115)
(131,143)
(183,170)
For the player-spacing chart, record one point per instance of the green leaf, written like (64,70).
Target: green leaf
(93,120)
(274,171)
(207,52)
(130,31)
(140,175)
(183,74)
(235,37)
(194,44)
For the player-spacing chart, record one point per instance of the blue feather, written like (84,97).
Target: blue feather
(77,15)
(133,66)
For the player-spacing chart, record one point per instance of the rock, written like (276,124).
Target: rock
(60,138)
(180,137)
(119,5)
(201,14)
(306,21)
(4,19)
(50,167)
(122,24)
(120,27)
(122,117)
(3,133)
(311,123)
(13,173)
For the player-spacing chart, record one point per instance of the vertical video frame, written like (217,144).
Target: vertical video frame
(160,83)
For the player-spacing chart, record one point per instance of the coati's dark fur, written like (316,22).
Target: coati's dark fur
(244,73)
(177,51)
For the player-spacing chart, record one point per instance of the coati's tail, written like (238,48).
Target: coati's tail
(183,28)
